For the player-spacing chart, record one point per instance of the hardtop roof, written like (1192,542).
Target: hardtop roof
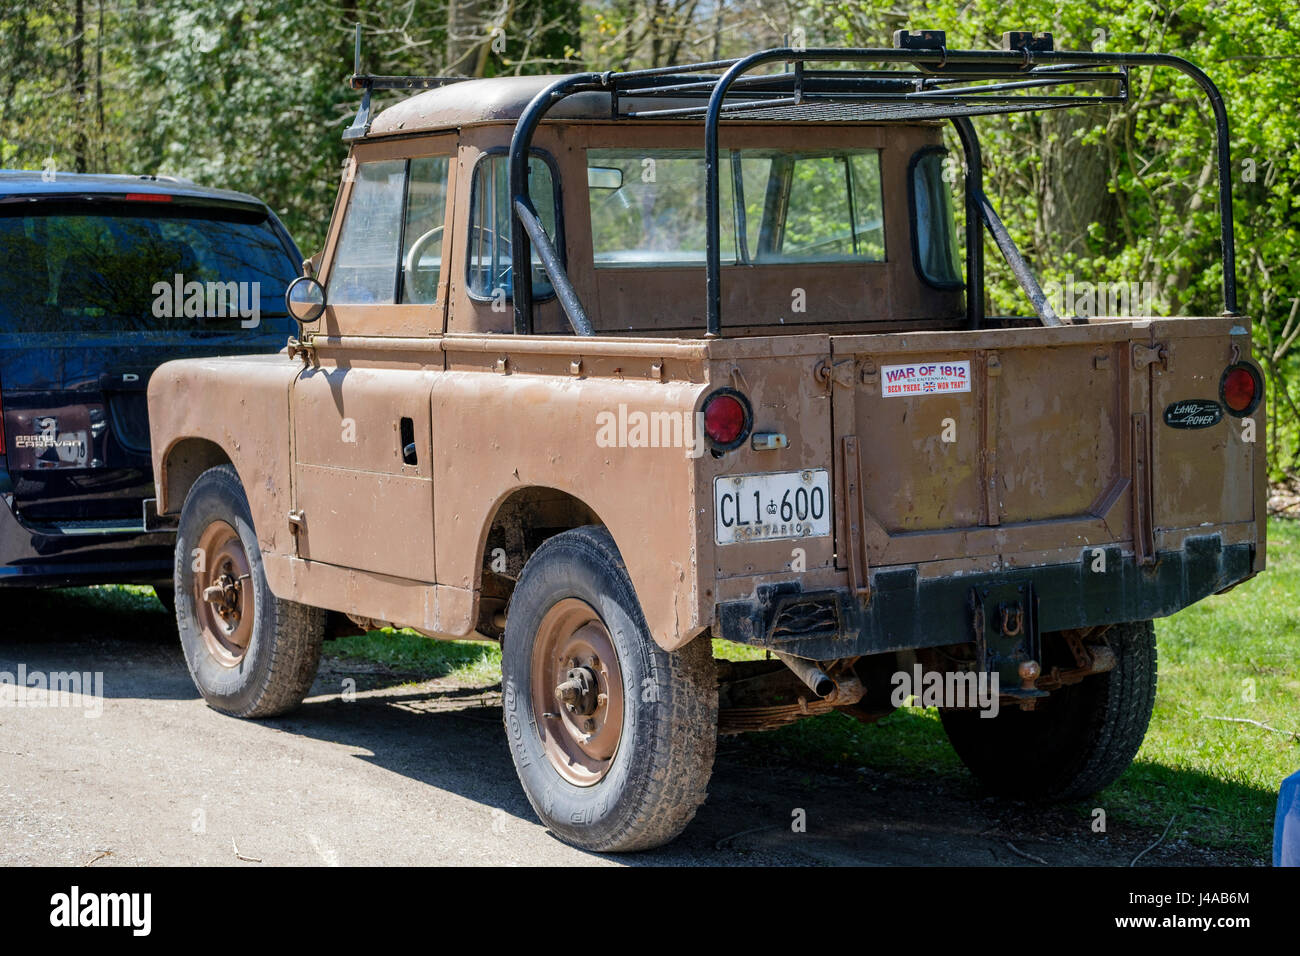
(493,100)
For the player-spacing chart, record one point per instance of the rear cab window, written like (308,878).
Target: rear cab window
(934,234)
(776,206)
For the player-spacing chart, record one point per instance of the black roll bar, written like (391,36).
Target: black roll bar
(926,91)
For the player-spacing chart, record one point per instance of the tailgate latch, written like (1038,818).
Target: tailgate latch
(1144,355)
(841,373)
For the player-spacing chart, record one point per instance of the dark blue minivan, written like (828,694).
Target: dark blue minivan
(102,279)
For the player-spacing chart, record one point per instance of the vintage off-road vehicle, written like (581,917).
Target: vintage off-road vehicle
(747,390)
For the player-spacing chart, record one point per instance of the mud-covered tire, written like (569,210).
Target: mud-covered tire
(280,657)
(1076,741)
(657,776)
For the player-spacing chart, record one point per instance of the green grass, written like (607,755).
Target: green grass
(1218,779)
(474,663)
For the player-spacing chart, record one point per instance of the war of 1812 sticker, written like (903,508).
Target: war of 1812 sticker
(924,378)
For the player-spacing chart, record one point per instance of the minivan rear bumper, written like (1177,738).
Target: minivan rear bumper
(32,558)
(907,611)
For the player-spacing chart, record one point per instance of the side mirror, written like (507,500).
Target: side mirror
(304,300)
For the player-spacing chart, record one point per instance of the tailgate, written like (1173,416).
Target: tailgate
(1028,444)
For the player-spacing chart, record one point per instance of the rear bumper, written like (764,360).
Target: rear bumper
(29,558)
(906,611)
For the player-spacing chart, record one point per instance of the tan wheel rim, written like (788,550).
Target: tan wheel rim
(223,593)
(577,691)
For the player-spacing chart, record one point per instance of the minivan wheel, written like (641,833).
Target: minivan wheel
(166,596)
(612,737)
(1076,741)
(250,653)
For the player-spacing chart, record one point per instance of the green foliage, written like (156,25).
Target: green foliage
(250,94)
(242,94)
(1127,195)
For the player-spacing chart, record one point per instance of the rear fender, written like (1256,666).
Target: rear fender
(239,407)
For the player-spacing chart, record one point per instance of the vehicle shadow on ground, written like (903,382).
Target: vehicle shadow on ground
(772,799)
(762,808)
(119,615)
(124,633)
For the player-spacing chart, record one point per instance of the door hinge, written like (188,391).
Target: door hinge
(305,349)
(296,520)
(1144,355)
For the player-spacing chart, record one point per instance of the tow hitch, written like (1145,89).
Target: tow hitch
(1007,640)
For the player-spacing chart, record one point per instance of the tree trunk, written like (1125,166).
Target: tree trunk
(1074,188)
(79,139)
(465,35)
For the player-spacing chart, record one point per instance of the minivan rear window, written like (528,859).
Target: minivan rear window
(120,266)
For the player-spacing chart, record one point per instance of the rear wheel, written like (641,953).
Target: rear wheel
(1076,741)
(613,738)
(250,653)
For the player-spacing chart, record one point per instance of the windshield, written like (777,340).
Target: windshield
(776,206)
(119,267)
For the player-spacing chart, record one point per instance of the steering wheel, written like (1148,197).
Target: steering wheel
(412,261)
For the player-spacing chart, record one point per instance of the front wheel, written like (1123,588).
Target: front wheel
(613,738)
(250,653)
(1076,741)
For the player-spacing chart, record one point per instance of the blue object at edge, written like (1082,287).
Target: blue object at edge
(1286,826)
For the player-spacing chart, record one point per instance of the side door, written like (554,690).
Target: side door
(362,429)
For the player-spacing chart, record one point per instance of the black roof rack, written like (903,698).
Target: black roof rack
(367,82)
(920,78)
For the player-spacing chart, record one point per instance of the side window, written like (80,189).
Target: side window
(934,234)
(489,260)
(426,209)
(365,266)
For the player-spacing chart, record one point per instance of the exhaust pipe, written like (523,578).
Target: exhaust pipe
(818,681)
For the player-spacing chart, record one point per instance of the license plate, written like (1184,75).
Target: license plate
(786,504)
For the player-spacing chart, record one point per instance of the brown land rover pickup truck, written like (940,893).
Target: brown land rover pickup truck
(747,391)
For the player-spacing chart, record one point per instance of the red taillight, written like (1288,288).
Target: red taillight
(727,418)
(1241,389)
(148,197)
